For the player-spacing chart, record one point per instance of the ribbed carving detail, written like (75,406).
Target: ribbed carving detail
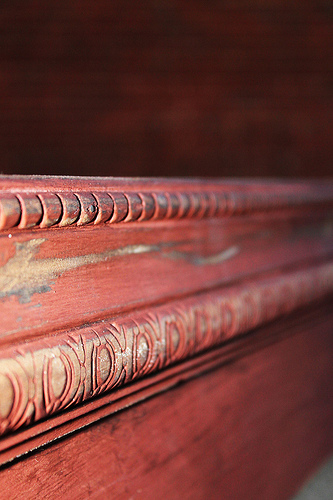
(44,376)
(26,210)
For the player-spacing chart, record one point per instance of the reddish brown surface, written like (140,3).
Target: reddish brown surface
(45,376)
(166,88)
(63,277)
(65,422)
(42,297)
(252,429)
(175,290)
(49,201)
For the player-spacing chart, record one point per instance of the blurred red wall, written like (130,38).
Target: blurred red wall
(162,87)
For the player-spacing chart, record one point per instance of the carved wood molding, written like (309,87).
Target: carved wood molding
(41,377)
(59,374)
(28,209)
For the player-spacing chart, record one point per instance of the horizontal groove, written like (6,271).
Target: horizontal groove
(65,423)
(152,303)
(41,377)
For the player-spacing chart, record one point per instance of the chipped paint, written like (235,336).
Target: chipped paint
(23,275)
(210,260)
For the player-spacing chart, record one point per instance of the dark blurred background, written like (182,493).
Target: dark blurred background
(162,87)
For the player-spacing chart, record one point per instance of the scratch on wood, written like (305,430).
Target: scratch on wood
(23,275)
(210,260)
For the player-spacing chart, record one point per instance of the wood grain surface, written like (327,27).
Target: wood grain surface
(116,290)
(255,428)
(50,374)
(234,230)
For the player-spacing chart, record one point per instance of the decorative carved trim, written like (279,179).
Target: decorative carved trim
(44,209)
(44,376)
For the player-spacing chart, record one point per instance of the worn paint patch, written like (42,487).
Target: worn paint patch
(209,260)
(23,275)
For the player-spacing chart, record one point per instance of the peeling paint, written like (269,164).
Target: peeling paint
(23,275)
(210,260)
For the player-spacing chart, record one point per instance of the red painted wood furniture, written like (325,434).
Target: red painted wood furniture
(164,338)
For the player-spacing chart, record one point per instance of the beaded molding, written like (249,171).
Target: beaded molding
(44,209)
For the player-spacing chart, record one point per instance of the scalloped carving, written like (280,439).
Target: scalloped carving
(47,375)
